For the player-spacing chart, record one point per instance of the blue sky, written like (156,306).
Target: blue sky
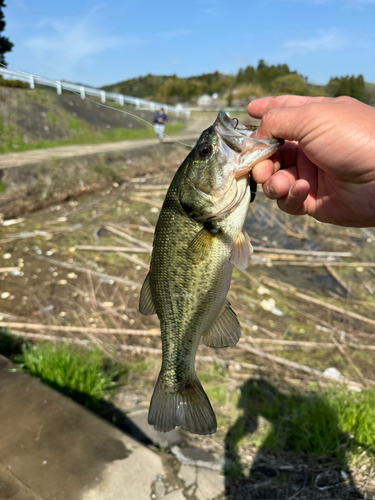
(103,42)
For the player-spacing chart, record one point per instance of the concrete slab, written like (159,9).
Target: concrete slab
(11,488)
(54,449)
(188,474)
(210,484)
(191,455)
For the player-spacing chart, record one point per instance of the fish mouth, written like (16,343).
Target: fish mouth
(237,137)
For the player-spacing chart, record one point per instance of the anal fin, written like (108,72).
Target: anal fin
(225,331)
(241,251)
(146,303)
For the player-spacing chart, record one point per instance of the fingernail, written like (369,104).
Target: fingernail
(276,165)
(271,190)
(293,191)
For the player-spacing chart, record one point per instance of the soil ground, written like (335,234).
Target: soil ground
(283,301)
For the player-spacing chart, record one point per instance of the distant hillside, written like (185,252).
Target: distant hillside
(33,119)
(247,84)
(145,87)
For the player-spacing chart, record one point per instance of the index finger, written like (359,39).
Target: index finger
(258,107)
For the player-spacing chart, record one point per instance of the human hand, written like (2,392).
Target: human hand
(327,162)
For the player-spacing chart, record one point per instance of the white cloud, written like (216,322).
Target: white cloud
(330,41)
(71,42)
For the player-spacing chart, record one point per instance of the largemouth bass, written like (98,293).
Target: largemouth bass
(198,239)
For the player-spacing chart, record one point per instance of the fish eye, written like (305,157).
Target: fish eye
(205,150)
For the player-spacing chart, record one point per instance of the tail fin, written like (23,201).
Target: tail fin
(189,408)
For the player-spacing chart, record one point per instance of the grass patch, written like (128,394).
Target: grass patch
(332,423)
(80,133)
(84,375)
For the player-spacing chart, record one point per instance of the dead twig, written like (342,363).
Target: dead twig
(98,248)
(337,277)
(285,287)
(314,253)
(79,329)
(307,263)
(298,366)
(134,260)
(113,229)
(80,269)
(140,199)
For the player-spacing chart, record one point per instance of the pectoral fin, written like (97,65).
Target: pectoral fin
(201,245)
(225,331)
(241,251)
(146,304)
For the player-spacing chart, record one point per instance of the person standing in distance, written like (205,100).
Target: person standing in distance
(159,123)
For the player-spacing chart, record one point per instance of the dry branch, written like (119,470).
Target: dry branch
(140,199)
(113,229)
(134,260)
(285,287)
(79,329)
(310,263)
(111,249)
(81,269)
(338,278)
(314,253)
(298,366)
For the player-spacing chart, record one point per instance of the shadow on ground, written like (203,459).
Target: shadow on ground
(302,453)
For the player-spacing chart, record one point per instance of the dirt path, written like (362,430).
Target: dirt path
(189,136)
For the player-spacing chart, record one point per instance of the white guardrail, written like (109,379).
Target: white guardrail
(82,90)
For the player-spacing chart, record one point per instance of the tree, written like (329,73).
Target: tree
(5,44)
(289,84)
(347,85)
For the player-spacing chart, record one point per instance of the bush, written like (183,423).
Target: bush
(13,83)
(289,84)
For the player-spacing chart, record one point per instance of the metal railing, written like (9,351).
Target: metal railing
(84,91)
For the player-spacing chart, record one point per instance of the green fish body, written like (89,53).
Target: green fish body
(198,238)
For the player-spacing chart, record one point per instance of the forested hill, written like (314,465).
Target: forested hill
(248,83)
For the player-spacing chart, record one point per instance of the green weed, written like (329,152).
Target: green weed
(331,423)
(84,375)
(11,140)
